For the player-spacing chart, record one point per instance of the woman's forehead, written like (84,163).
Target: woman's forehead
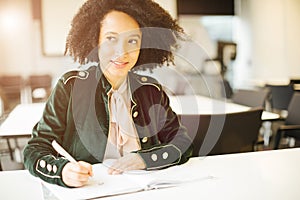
(119,22)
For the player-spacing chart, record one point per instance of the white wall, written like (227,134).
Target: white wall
(169,5)
(268,33)
(292,10)
(20,43)
(56,25)
(15,36)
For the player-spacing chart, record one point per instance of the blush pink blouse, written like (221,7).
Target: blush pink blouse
(122,137)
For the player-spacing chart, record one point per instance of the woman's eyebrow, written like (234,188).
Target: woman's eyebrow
(115,33)
(135,35)
(111,33)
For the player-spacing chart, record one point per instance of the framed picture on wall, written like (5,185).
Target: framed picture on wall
(56,17)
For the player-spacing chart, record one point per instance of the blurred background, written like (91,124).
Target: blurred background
(266,35)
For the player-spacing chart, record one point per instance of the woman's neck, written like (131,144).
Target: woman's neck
(115,80)
(116,83)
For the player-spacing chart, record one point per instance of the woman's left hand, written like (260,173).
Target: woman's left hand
(131,161)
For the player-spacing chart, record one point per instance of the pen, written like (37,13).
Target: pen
(62,151)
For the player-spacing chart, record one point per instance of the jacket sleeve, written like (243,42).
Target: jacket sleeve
(174,145)
(39,157)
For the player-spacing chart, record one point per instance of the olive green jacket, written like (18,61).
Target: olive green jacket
(76,115)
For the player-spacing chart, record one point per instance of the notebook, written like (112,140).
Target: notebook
(104,185)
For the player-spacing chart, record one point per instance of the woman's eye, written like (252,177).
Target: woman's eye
(111,38)
(133,41)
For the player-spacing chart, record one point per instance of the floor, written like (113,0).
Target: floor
(17,162)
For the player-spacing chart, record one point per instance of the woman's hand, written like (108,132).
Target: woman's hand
(131,161)
(76,174)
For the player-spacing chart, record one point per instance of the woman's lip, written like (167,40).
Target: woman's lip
(119,63)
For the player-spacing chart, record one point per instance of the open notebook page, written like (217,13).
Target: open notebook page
(102,184)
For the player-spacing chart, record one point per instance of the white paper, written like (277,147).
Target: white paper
(102,184)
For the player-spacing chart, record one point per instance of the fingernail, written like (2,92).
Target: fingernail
(115,172)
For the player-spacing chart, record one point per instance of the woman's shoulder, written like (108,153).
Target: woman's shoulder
(77,74)
(143,78)
(139,80)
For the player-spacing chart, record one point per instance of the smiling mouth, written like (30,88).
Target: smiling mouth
(119,64)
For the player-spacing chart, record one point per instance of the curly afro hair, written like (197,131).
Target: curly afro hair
(159,31)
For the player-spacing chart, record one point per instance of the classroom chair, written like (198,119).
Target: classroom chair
(251,98)
(11,88)
(214,134)
(280,96)
(291,127)
(40,86)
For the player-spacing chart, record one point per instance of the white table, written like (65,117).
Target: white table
(21,120)
(19,123)
(196,104)
(19,185)
(268,175)
(24,116)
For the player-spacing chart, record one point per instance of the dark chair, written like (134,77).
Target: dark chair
(226,90)
(291,127)
(11,88)
(251,98)
(280,96)
(255,98)
(2,103)
(223,133)
(295,82)
(40,86)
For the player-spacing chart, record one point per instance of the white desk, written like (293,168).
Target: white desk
(195,104)
(19,185)
(19,123)
(268,175)
(21,120)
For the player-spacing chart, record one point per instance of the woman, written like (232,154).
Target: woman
(108,111)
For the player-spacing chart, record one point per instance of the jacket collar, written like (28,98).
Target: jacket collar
(102,80)
(135,81)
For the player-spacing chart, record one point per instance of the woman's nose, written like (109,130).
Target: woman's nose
(121,49)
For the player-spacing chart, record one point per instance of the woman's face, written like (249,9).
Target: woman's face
(119,45)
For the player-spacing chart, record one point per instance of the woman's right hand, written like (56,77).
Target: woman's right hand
(76,174)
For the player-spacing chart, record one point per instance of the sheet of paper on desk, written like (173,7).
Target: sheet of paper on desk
(103,184)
